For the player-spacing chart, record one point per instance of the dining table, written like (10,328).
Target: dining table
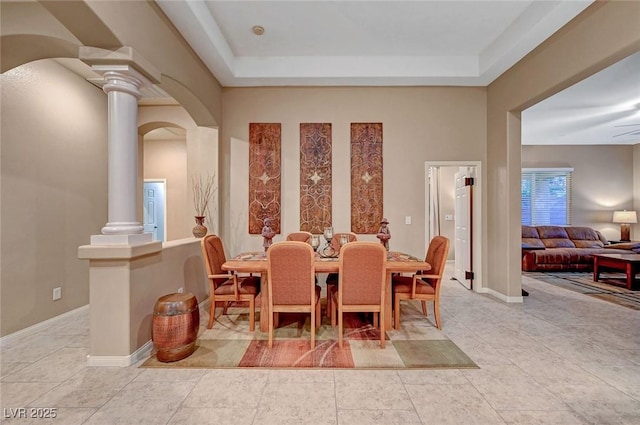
(256,262)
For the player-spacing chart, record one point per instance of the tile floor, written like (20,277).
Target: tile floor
(558,358)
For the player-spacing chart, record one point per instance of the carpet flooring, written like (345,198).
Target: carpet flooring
(611,286)
(229,344)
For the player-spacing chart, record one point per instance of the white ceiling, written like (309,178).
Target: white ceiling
(409,43)
(602,109)
(361,42)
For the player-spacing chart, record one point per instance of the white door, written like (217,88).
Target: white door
(463,266)
(154,206)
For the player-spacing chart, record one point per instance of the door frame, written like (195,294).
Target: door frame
(164,203)
(476,215)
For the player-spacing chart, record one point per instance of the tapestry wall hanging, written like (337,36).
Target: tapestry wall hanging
(366,177)
(264,176)
(315,177)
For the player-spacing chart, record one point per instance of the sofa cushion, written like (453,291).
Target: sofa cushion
(555,237)
(584,237)
(530,237)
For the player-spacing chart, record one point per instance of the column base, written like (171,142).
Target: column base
(136,239)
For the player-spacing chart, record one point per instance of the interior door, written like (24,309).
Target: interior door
(154,205)
(463,264)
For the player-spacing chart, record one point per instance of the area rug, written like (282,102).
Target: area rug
(610,287)
(229,344)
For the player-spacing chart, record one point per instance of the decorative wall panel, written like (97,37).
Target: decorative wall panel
(264,176)
(366,177)
(315,177)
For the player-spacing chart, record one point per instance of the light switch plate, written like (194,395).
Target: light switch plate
(407,220)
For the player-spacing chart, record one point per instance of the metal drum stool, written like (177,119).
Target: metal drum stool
(176,320)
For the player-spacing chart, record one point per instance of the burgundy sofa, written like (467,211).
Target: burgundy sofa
(568,248)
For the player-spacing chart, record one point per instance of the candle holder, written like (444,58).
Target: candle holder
(327,250)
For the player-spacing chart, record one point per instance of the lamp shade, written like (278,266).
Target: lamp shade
(625,217)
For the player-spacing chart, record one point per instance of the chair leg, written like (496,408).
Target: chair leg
(312,327)
(383,337)
(334,313)
(375,320)
(276,320)
(396,312)
(340,332)
(436,310)
(225,306)
(212,313)
(424,308)
(328,310)
(252,314)
(271,313)
(318,314)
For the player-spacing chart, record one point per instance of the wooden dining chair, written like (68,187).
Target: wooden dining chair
(332,278)
(300,236)
(362,277)
(423,286)
(226,286)
(291,283)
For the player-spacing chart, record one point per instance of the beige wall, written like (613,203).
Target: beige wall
(602,180)
(54,182)
(603,34)
(167,159)
(419,124)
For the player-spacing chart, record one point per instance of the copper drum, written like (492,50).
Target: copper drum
(176,320)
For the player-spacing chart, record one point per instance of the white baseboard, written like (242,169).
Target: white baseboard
(121,361)
(140,354)
(503,297)
(40,326)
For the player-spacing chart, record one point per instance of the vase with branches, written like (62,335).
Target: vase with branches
(203,191)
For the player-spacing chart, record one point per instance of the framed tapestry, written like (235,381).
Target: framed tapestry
(315,177)
(264,176)
(366,177)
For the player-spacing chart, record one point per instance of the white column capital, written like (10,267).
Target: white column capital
(122,78)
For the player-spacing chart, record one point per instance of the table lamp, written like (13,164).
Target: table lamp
(625,218)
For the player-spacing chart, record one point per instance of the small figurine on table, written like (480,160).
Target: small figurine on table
(384,234)
(267,234)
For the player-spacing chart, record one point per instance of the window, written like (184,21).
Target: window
(546,196)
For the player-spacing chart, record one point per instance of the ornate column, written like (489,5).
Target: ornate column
(123,90)
(125,74)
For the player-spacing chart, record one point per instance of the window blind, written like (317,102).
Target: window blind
(546,196)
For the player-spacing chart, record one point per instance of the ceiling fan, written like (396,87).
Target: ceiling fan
(635,132)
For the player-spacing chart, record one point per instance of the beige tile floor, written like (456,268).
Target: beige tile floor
(558,358)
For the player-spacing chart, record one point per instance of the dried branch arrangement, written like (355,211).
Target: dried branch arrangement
(203,192)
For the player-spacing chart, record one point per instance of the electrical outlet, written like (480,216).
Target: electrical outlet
(180,290)
(407,219)
(57,293)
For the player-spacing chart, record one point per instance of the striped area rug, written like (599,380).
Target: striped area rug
(229,344)
(611,286)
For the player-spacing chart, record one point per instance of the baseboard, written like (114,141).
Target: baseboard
(141,353)
(121,361)
(41,325)
(503,297)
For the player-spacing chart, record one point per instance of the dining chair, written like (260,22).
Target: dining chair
(332,278)
(226,286)
(423,286)
(291,283)
(362,277)
(300,236)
